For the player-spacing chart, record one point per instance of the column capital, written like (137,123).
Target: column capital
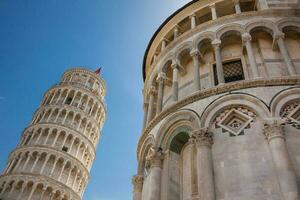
(202,137)
(155,157)
(246,37)
(137,181)
(164,40)
(161,76)
(236,1)
(177,27)
(216,43)
(213,5)
(192,15)
(277,35)
(175,63)
(194,52)
(152,90)
(273,128)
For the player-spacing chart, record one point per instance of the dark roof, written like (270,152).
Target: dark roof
(158,30)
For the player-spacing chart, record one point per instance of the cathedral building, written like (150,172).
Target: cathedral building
(222,104)
(56,151)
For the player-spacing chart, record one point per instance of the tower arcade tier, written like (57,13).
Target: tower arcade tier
(57,149)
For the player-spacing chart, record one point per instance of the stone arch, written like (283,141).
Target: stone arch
(288,22)
(282,98)
(266,25)
(183,47)
(230,100)
(203,36)
(230,29)
(184,117)
(146,146)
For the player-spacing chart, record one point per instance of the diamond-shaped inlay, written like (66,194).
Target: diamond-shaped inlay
(294,117)
(235,122)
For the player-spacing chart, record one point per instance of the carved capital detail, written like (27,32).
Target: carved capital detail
(278,35)
(273,128)
(246,37)
(152,90)
(154,158)
(194,53)
(202,137)
(137,181)
(161,77)
(216,43)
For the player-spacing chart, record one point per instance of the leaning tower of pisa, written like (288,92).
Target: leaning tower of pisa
(57,149)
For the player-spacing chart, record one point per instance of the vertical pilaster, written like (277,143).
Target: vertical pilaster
(274,132)
(279,37)
(196,65)
(206,187)
(246,37)
(237,6)
(193,21)
(160,95)
(213,11)
(175,80)
(137,182)
(154,160)
(152,93)
(220,73)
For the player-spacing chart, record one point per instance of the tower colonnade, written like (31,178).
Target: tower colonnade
(222,104)
(56,151)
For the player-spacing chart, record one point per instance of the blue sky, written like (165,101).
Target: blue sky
(40,39)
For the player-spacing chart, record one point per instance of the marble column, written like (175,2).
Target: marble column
(35,162)
(274,132)
(176,31)
(146,105)
(220,73)
(193,21)
(154,160)
(237,6)
(175,80)
(204,140)
(196,65)
(279,37)
(246,37)
(160,94)
(137,182)
(152,93)
(213,11)
(163,44)
(23,187)
(33,188)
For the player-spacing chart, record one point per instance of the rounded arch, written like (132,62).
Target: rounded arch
(203,36)
(265,25)
(289,22)
(283,97)
(181,118)
(146,146)
(186,46)
(230,100)
(230,29)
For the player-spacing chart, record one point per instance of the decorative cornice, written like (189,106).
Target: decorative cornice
(228,87)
